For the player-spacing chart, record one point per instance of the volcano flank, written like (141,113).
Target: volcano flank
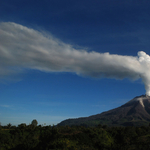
(136,112)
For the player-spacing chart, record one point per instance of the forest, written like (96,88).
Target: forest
(101,137)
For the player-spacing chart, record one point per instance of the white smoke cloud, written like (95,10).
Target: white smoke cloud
(22,47)
(144,60)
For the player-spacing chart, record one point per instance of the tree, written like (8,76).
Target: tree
(9,125)
(22,125)
(34,122)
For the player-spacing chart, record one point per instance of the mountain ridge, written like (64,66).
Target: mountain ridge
(135,112)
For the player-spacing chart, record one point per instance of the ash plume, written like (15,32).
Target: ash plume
(22,47)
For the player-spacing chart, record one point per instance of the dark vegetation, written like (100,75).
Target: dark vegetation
(101,137)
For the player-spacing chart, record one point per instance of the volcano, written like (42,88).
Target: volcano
(136,112)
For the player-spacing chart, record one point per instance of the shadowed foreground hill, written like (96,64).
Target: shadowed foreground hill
(136,112)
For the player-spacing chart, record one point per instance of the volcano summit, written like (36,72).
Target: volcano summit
(136,112)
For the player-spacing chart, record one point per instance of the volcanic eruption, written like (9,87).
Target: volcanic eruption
(25,48)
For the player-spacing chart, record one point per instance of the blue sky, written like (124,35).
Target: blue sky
(35,86)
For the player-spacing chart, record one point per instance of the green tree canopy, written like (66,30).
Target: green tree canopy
(34,122)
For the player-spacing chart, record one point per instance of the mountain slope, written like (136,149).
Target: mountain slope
(135,112)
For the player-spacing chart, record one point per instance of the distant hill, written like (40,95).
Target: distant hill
(136,112)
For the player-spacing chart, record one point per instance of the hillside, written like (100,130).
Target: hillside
(136,112)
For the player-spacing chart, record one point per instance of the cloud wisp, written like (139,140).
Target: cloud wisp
(22,47)
(6,106)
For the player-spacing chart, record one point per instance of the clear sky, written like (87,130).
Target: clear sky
(63,59)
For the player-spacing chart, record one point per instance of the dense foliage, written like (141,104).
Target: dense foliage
(73,138)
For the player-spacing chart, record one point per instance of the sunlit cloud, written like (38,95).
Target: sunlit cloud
(25,48)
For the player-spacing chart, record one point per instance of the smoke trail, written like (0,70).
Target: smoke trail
(22,47)
(144,60)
